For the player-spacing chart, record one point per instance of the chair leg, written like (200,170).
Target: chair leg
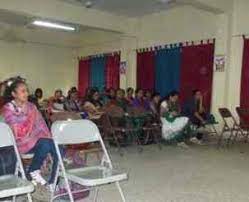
(29,198)
(235,137)
(246,137)
(55,184)
(69,189)
(96,194)
(156,138)
(220,138)
(13,198)
(230,137)
(120,191)
(136,136)
(117,142)
(147,136)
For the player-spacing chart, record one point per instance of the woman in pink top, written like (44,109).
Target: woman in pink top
(31,132)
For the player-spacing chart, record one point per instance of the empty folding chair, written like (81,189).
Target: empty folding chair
(244,121)
(13,185)
(230,125)
(85,131)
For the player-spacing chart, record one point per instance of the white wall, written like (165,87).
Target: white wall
(46,67)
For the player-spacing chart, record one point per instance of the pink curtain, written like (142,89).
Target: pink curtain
(84,76)
(244,91)
(146,70)
(112,71)
(197,71)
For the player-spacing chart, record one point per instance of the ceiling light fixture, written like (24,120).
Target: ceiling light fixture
(48,24)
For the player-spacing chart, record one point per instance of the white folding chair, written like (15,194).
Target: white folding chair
(12,185)
(78,132)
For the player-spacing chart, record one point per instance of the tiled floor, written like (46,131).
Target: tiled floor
(197,174)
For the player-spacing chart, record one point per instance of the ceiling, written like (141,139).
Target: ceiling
(16,28)
(128,8)
(139,8)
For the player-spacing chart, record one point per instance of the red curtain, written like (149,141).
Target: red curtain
(244,91)
(112,71)
(197,72)
(146,70)
(83,76)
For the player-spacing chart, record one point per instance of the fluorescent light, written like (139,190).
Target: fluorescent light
(53,25)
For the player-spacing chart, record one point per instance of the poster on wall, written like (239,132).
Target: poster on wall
(123,66)
(219,63)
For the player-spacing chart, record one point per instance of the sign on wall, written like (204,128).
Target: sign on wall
(123,66)
(219,63)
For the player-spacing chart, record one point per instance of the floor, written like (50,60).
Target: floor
(174,174)
(198,174)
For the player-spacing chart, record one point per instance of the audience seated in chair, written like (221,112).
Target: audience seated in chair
(154,104)
(148,96)
(173,123)
(139,101)
(30,130)
(130,95)
(92,105)
(120,100)
(36,98)
(109,96)
(195,110)
(57,101)
(72,103)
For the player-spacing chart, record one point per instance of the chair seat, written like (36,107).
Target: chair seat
(11,185)
(94,176)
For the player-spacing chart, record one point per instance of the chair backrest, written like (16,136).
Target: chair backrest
(75,132)
(243,116)
(7,139)
(6,136)
(228,117)
(78,132)
(225,113)
(63,116)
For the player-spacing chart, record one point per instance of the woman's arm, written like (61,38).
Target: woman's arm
(22,127)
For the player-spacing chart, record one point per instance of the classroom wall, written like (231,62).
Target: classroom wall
(176,25)
(239,24)
(43,66)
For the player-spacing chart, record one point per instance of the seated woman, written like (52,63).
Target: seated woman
(93,105)
(72,103)
(173,123)
(154,104)
(148,95)
(2,87)
(30,130)
(57,101)
(36,99)
(109,96)
(139,101)
(129,95)
(120,99)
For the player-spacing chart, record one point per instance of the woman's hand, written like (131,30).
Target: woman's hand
(174,113)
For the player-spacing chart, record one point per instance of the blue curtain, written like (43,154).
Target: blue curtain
(97,72)
(168,63)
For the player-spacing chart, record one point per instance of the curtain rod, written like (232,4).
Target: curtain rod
(240,35)
(177,44)
(99,55)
